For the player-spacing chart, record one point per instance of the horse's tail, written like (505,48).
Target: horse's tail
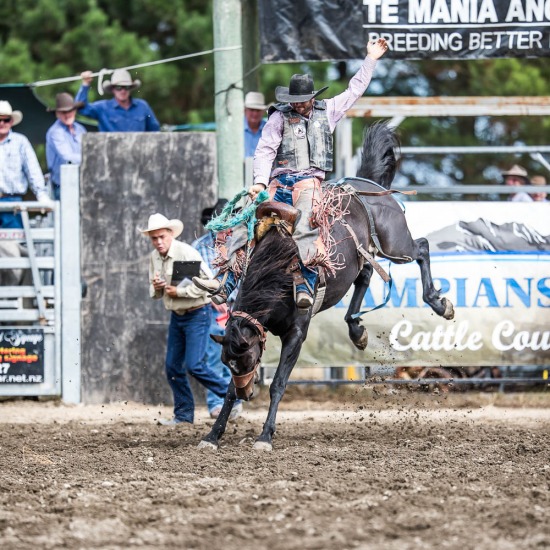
(378,162)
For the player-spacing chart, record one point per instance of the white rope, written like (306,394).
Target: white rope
(148,64)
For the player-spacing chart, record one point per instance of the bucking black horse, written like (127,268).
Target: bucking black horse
(372,224)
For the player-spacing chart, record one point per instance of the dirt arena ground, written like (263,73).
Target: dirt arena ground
(372,468)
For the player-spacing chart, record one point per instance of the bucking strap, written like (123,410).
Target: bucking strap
(367,255)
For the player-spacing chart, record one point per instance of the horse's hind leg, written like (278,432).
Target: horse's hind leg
(357,332)
(442,306)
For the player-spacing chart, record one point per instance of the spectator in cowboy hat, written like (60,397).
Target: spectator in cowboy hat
(123,113)
(517,176)
(190,317)
(254,121)
(541,196)
(19,167)
(63,139)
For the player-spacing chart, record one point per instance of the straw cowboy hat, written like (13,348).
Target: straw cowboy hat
(517,171)
(121,77)
(6,110)
(255,100)
(158,221)
(299,90)
(65,103)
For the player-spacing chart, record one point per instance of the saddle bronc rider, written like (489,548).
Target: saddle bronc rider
(293,157)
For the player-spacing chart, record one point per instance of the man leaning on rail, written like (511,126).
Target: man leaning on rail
(19,167)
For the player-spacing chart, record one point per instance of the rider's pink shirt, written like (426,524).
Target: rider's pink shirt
(337,107)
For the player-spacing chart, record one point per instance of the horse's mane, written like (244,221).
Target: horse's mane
(266,281)
(378,162)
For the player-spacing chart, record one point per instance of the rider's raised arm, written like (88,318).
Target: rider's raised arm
(337,106)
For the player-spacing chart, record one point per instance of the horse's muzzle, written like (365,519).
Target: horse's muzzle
(244,384)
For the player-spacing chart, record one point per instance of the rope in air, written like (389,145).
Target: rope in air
(104,72)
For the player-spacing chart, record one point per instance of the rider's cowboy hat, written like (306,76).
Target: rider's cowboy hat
(6,110)
(158,221)
(255,100)
(517,171)
(121,77)
(65,103)
(299,90)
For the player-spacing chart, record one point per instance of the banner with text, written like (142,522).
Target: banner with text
(315,30)
(21,356)
(492,260)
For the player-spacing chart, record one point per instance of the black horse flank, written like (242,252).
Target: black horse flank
(372,222)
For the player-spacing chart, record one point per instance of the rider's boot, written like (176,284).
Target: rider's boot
(219,288)
(305,290)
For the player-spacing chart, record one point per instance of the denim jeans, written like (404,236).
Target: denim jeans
(9,220)
(185,354)
(285,195)
(214,362)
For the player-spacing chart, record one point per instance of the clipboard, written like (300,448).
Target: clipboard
(185,270)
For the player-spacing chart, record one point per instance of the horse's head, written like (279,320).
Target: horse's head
(243,345)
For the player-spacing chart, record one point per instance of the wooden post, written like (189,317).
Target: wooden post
(228,74)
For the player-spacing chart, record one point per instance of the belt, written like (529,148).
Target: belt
(190,310)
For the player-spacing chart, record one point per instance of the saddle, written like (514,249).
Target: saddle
(271,213)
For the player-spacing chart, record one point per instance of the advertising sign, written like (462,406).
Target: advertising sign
(491,260)
(302,30)
(21,356)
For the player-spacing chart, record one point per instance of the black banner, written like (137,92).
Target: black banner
(21,356)
(322,30)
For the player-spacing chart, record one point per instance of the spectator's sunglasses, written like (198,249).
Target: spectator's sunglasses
(6,120)
(118,88)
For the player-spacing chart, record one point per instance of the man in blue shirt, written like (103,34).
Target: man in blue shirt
(63,139)
(123,113)
(19,167)
(206,247)
(254,111)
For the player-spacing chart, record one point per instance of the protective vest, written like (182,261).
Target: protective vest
(307,142)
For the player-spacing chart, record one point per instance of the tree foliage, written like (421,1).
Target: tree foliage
(45,39)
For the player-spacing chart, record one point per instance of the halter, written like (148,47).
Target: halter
(257,325)
(242,380)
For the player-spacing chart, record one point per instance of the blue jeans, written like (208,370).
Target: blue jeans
(214,362)
(310,274)
(9,220)
(185,354)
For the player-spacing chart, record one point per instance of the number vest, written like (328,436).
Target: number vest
(307,142)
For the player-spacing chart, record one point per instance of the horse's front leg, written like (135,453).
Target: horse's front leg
(211,441)
(357,332)
(292,344)
(442,306)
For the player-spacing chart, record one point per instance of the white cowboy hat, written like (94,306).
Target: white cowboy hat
(158,221)
(255,100)
(6,110)
(121,77)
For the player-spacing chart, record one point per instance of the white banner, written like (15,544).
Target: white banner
(491,259)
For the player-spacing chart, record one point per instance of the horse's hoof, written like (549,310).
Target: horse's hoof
(449,312)
(362,342)
(207,445)
(262,446)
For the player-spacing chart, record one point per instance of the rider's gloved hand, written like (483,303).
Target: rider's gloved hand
(255,189)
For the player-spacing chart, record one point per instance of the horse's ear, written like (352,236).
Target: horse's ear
(217,338)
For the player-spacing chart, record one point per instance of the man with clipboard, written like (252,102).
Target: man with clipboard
(172,264)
